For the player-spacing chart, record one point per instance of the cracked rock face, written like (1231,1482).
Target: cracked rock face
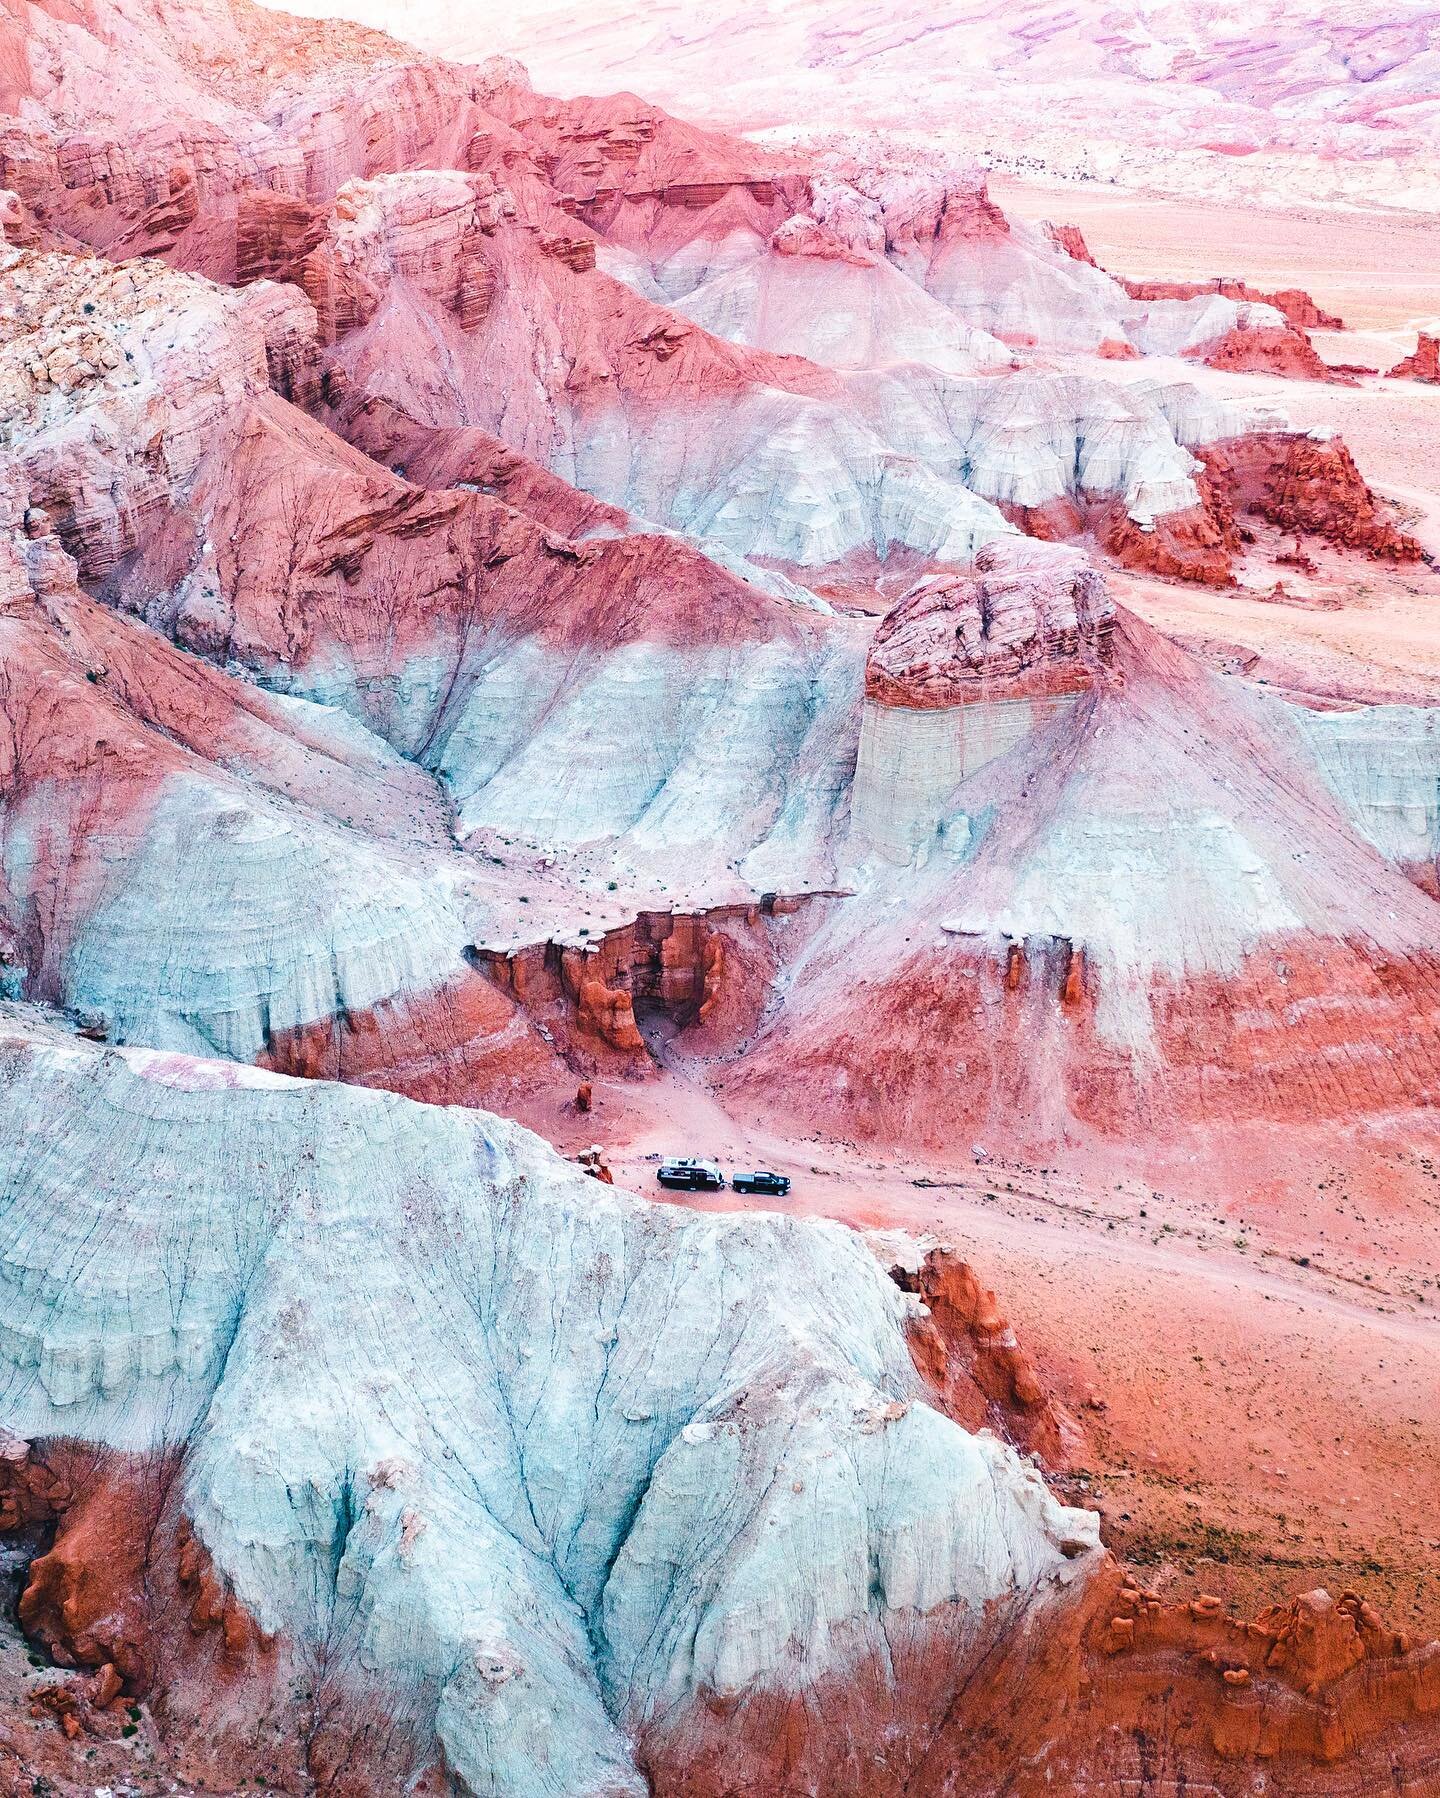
(1032,619)
(535,1467)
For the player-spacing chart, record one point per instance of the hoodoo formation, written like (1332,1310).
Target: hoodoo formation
(541,637)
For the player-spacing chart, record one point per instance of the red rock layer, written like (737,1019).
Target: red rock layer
(434,457)
(969,1354)
(1304,486)
(707,969)
(1105,1693)
(463,1045)
(1194,545)
(1296,305)
(127,1588)
(1071,240)
(1026,623)
(1424,364)
(1306,1030)
(1275,351)
(275,233)
(599,150)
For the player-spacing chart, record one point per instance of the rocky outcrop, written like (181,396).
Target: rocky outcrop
(969,1353)
(263,118)
(1196,544)
(961,672)
(1305,485)
(1031,620)
(1261,350)
(1308,1687)
(17,225)
(1423,364)
(600,150)
(421,231)
(274,236)
(705,969)
(115,383)
(1294,303)
(1071,241)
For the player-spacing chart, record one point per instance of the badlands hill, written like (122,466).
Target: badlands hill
(504,597)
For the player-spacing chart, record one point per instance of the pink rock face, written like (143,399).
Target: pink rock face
(803,236)
(1032,619)
(1071,239)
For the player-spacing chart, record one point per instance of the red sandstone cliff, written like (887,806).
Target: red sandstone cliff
(1423,364)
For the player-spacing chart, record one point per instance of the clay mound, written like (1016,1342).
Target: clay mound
(812,295)
(1146,904)
(997,274)
(200,866)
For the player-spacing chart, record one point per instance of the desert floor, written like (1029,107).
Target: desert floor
(1249,1336)
(1378,271)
